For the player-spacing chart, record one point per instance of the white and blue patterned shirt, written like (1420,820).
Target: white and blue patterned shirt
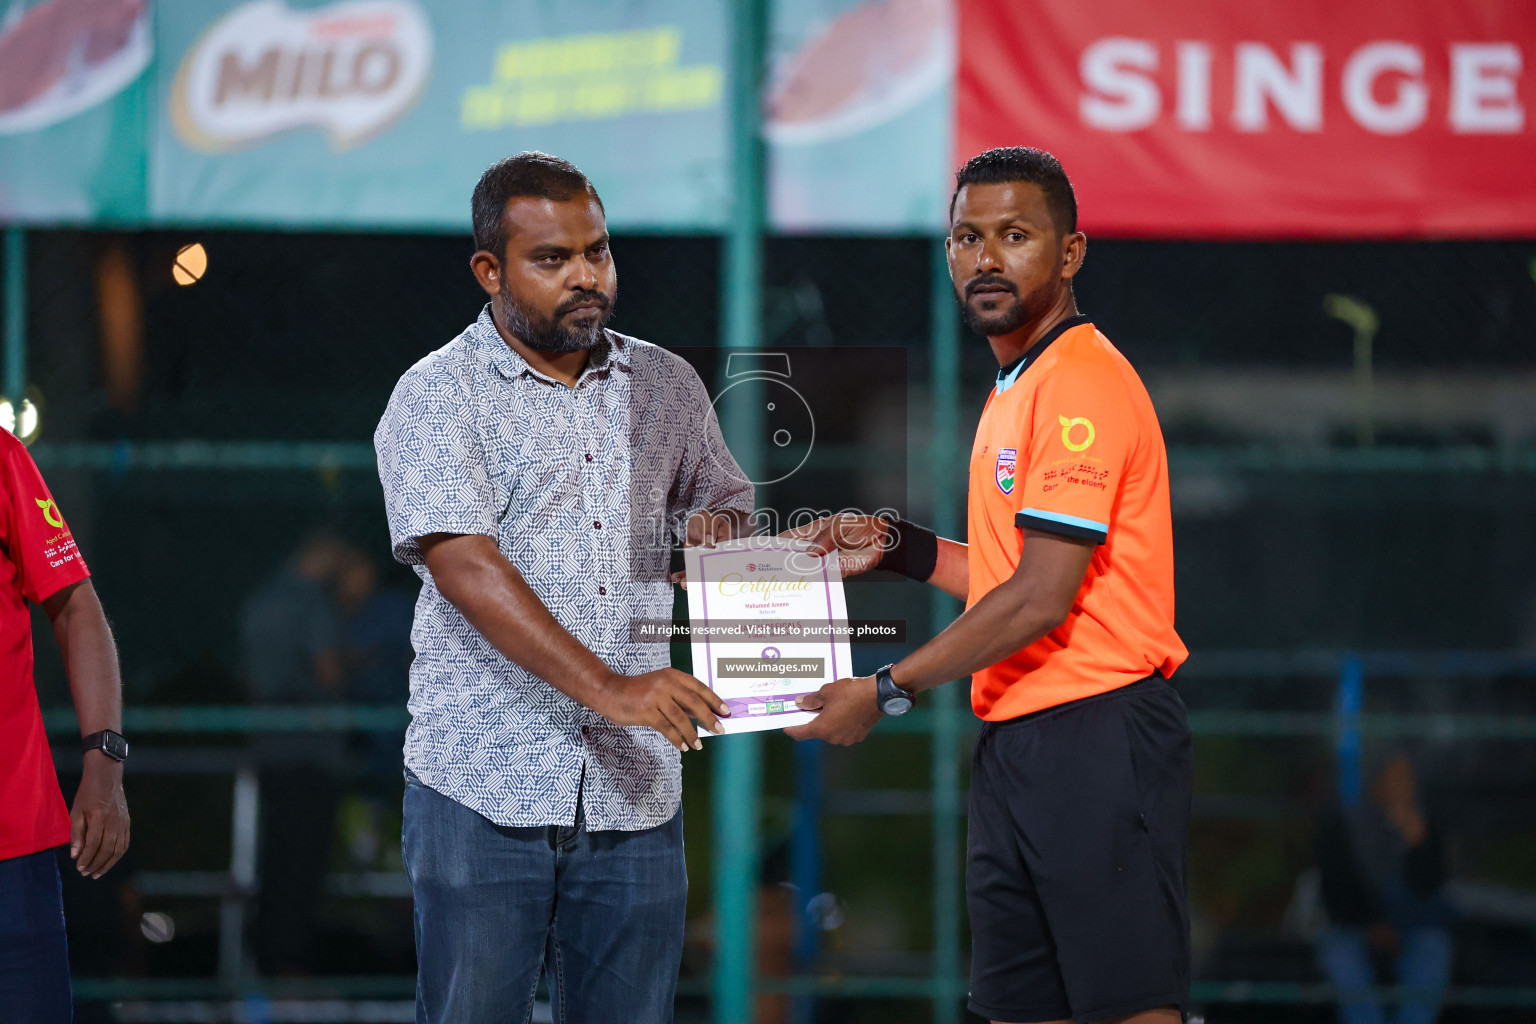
(583,489)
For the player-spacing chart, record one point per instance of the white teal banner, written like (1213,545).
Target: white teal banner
(857,114)
(75,102)
(380,114)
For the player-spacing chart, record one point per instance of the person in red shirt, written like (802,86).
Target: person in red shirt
(40,565)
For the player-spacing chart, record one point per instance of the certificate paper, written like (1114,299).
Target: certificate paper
(768,624)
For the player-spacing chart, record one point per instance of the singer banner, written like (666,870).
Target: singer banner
(1293,118)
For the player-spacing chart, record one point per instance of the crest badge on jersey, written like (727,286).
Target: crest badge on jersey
(1007,465)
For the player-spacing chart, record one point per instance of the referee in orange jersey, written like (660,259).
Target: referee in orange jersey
(1080,787)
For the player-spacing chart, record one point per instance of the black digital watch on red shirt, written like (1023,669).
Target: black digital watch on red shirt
(108,742)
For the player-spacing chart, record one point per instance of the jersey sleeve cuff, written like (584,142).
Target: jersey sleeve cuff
(56,583)
(1059,522)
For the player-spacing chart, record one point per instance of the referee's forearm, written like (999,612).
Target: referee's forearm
(996,627)
(952,569)
(1036,599)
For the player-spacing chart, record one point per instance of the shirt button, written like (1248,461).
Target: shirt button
(589,456)
(602,590)
(596,525)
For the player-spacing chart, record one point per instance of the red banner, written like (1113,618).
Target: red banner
(1286,118)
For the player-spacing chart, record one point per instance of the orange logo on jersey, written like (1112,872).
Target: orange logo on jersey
(50,511)
(1066,432)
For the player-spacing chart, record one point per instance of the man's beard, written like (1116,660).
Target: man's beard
(550,334)
(997,323)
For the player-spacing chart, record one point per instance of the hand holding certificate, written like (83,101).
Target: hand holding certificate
(769,624)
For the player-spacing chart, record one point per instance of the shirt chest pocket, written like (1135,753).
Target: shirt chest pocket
(545,490)
(561,466)
(534,461)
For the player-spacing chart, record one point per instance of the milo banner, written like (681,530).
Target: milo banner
(382,113)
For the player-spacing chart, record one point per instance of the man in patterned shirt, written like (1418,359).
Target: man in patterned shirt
(535,470)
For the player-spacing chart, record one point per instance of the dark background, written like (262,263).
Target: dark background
(300,337)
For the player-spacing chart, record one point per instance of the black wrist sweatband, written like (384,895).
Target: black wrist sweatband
(914,551)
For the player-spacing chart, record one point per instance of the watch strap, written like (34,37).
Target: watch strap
(886,687)
(108,741)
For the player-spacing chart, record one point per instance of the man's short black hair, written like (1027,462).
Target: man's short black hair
(532,174)
(1022,163)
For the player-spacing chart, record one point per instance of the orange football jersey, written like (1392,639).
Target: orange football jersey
(1069,443)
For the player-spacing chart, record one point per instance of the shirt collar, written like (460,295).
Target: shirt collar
(512,365)
(1010,373)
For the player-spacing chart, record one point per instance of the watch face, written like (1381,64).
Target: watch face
(897,705)
(115,746)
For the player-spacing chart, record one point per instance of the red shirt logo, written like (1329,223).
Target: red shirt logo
(50,512)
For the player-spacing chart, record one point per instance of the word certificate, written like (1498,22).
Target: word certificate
(768,624)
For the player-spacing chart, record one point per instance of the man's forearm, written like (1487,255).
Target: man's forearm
(997,626)
(487,589)
(98,816)
(90,657)
(471,572)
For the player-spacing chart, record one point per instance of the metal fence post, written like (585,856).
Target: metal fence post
(736,772)
(944,446)
(1351,702)
(805,866)
(244,822)
(15,315)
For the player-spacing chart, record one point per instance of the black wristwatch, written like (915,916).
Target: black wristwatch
(108,742)
(890,698)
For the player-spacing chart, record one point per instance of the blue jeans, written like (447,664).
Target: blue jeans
(34,956)
(600,912)
(1423,970)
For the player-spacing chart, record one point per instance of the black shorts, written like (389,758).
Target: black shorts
(1075,871)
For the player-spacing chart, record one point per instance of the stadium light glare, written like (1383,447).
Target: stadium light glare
(157,927)
(190,265)
(24,422)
